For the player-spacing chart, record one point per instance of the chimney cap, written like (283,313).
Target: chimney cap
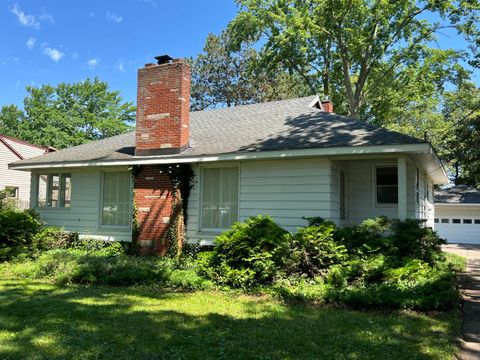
(163,59)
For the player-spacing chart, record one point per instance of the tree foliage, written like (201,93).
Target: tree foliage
(460,139)
(224,77)
(68,114)
(363,54)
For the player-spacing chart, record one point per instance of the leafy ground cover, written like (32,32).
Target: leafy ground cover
(41,320)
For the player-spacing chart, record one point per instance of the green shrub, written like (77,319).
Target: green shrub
(312,250)
(247,255)
(367,238)
(17,229)
(413,240)
(50,238)
(98,267)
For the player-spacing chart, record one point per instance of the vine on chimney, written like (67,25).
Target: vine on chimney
(134,171)
(181,176)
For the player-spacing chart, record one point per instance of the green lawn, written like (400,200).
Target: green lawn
(44,321)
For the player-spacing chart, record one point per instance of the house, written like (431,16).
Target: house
(457,214)
(289,159)
(16,183)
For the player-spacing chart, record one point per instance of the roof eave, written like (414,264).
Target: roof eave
(421,148)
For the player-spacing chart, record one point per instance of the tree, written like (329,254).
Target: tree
(355,50)
(68,114)
(460,140)
(222,77)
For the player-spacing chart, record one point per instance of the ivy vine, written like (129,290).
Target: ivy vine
(180,176)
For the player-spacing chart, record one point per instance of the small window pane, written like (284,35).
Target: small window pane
(11,191)
(445,221)
(53,190)
(66,195)
(467,221)
(219,197)
(42,190)
(455,221)
(387,185)
(437,221)
(477,221)
(116,198)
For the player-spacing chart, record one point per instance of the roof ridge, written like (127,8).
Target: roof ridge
(253,104)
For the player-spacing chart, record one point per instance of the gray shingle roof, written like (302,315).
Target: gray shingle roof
(459,194)
(276,125)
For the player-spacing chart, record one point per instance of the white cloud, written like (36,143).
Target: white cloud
(151,2)
(120,65)
(75,56)
(31,43)
(46,17)
(25,19)
(92,63)
(111,17)
(53,54)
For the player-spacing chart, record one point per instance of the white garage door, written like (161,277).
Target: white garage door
(458,224)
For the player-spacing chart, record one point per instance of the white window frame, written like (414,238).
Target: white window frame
(200,197)
(100,202)
(376,204)
(61,192)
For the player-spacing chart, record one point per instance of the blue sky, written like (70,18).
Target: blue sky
(53,41)
(67,41)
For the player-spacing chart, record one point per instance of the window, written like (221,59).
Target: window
(437,220)
(11,191)
(54,190)
(387,185)
(477,221)
(467,221)
(219,198)
(116,199)
(455,221)
(445,221)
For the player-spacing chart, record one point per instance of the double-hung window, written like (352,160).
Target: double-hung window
(219,198)
(386,185)
(116,198)
(54,190)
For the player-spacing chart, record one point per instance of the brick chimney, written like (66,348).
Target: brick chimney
(327,105)
(163,107)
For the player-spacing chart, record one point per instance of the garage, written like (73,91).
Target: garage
(457,214)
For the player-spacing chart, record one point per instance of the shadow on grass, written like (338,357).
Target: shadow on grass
(46,321)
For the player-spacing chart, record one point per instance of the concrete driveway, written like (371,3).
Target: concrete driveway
(470,283)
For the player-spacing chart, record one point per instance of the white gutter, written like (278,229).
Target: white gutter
(422,148)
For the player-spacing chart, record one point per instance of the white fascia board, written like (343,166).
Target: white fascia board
(422,148)
(455,204)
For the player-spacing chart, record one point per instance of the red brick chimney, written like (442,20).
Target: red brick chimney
(327,105)
(163,107)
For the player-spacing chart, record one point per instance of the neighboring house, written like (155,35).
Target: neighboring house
(457,214)
(289,159)
(16,183)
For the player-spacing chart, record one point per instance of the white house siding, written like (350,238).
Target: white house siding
(20,179)
(287,190)
(15,178)
(458,232)
(361,196)
(84,214)
(27,151)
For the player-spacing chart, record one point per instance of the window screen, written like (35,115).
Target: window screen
(54,190)
(387,185)
(116,198)
(219,197)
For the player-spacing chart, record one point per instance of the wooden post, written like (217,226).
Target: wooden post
(402,187)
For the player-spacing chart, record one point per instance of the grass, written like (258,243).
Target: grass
(39,320)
